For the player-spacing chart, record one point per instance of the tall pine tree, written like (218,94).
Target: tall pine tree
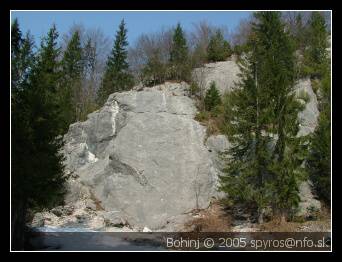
(71,82)
(37,169)
(319,160)
(117,76)
(246,117)
(317,66)
(262,123)
(180,69)
(16,43)
(45,124)
(21,140)
(22,56)
(315,55)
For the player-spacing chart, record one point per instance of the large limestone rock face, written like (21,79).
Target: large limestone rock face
(142,156)
(224,74)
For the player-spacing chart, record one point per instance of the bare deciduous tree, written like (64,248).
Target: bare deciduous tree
(95,49)
(150,47)
(241,34)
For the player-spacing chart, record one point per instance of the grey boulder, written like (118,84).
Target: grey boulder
(142,155)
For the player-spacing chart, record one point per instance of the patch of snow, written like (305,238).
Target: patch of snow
(114,109)
(146,229)
(91,157)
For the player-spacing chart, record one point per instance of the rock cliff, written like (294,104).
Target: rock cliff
(142,161)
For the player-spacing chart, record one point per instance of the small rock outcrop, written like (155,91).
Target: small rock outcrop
(224,74)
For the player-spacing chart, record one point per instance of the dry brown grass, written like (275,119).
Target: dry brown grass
(218,219)
(213,126)
(97,202)
(322,224)
(308,226)
(213,123)
(213,219)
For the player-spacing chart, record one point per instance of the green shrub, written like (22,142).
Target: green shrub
(315,85)
(202,116)
(194,88)
(217,110)
(212,97)
(304,96)
(239,49)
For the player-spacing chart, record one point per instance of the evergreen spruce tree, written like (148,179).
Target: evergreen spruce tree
(72,64)
(21,133)
(21,56)
(117,76)
(37,169)
(317,66)
(16,43)
(276,53)
(262,123)
(246,115)
(46,172)
(212,97)
(319,159)
(218,48)
(300,33)
(70,90)
(16,38)
(180,68)
(315,55)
